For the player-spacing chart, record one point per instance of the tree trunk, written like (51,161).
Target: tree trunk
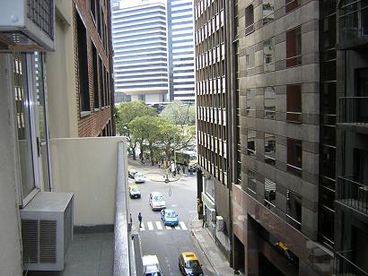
(133,150)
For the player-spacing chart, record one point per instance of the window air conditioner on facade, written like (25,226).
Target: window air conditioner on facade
(27,25)
(47,230)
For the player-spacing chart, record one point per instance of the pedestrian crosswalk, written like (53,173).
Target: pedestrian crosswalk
(159,226)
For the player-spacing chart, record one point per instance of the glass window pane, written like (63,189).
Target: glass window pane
(270,193)
(23,125)
(270,148)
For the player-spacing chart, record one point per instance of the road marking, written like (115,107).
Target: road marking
(173,205)
(177,227)
(168,227)
(150,225)
(182,224)
(159,225)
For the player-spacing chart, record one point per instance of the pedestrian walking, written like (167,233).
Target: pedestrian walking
(140,219)
(130,218)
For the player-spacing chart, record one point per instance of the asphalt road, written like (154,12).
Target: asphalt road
(167,242)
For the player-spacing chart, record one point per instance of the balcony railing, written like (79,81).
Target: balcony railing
(352,194)
(343,266)
(353,110)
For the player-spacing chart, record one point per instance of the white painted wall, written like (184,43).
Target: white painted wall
(88,168)
(10,244)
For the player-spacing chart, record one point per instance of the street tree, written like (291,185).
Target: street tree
(146,130)
(179,113)
(127,112)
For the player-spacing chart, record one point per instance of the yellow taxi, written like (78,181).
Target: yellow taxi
(189,264)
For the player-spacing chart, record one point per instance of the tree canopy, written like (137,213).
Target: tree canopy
(179,113)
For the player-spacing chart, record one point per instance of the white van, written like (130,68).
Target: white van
(157,201)
(151,266)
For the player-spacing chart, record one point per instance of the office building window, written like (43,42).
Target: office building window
(268,55)
(251,143)
(95,77)
(249,19)
(294,156)
(270,103)
(294,209)
(293,47)
(294,103)
(252,182)
(251,102)
(268,9)
(291,5)
(270,148)
(269,193)
(82,65)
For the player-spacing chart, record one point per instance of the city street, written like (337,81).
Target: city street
(164,241)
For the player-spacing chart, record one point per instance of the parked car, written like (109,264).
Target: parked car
(189,264)
(134,192)
(151,266)
(169,217)
(157,201)
(131,173)
(139,178)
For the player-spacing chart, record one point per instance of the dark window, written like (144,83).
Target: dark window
(101,82)
(268,55)
(251,102)
(251,143)
(269,193)
(293,47)
(269,148)
(252,183)
(291,4)
(269,103)
(82,65)
(95,77)
(249,19)
(294,156)
(294,103)
(294,209)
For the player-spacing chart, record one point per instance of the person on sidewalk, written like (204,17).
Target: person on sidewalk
(140,219)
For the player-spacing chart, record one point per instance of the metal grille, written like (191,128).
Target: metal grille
(41,13)
(30,241)
(47,241)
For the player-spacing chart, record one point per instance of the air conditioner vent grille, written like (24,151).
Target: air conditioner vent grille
(41,13)
(30,240)
(47,241)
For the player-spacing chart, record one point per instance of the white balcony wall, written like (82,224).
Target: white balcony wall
(88,168)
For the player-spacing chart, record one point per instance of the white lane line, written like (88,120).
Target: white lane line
(150,225)
(177,227)
(159,225)
(182,224)
(168,227)
(142,228)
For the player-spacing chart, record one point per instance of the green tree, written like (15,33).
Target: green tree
(146,130)
(127,112)
(179,113)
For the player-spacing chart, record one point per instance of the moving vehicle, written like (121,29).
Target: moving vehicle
(189,264)
(134,192)
(151,266)
(157,201)
(131,173)
(139,177)
(169,217)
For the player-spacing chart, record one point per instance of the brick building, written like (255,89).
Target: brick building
(83,40)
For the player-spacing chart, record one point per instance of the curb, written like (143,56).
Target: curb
(156,180)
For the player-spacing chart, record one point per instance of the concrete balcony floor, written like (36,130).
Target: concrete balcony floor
(89,254)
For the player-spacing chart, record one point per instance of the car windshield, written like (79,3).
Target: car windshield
(138,175)
(158,198)
(170,214)
(192,264)
(134,189)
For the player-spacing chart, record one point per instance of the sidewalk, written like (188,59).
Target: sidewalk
(207,244)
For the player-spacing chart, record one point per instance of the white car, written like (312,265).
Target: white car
(151,265)
(157,201)
(139,178)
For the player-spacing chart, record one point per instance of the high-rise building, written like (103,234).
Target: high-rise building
(294,84)
(181,50)
(351,219)
(139,31)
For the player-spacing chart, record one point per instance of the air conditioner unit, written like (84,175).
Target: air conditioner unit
(47,230)
(220,223)
(27,25)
